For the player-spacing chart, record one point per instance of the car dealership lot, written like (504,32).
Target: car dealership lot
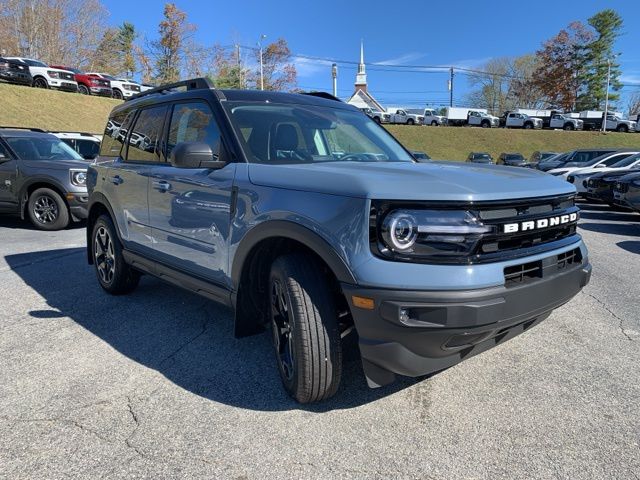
(154,384)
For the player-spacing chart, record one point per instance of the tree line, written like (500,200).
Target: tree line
(568,72)
(75,33)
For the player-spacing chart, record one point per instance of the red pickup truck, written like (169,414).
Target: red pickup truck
(88,85)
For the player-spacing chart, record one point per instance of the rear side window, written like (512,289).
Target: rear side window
(87,148)
(114,134)
(193,122)
(146,133)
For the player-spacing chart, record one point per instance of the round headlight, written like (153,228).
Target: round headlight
(400,231)
(80,178)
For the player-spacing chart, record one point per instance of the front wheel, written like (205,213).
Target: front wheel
(47,210)
(569,126)
(117,94)
(410,121)
(304,328)
(485,125)
(528,126)
(114,275)
(622,129)
(40,83)
(82,89)
(434,123)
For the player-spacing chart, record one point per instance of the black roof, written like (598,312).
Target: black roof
(23,132)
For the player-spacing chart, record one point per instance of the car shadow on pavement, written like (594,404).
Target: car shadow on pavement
(611,215)
(19,224)
(626,229)
(631,246)
(186,338)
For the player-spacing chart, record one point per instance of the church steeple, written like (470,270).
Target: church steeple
(361,76)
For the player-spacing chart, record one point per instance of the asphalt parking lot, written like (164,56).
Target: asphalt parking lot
(153,385)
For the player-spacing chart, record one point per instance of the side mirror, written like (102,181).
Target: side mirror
(194,155)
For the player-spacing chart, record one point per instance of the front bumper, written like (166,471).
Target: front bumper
(416,333)
(78,205)
(101,91)
(64,86)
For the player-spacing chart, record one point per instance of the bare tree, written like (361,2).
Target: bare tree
(634,104)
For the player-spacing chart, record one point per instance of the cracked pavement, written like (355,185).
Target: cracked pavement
(153,385)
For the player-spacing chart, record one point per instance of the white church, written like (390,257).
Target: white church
(361,97)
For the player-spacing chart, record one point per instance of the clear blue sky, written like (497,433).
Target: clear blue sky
(459,33)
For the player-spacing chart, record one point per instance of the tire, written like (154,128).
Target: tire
(485,125)
(113,273)
(47,210)
(410,121)
(528,126)
(304,329)
(117,94)
(622,129)
(377,120)
(82,89)
(569,127)
(40,82)
(434,123)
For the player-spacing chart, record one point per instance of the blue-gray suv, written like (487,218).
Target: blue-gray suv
(303,214)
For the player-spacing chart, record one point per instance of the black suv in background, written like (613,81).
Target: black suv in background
(15,71)
(480,157)
(41,177)
(512,160)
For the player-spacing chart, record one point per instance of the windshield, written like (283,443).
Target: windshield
(289,133)
(514,156)
(108,77)
(627,161)
(35,63)
(41,148)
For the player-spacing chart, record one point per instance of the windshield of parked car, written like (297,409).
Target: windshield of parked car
(35,63)
(108,77)
(627,161)
(290,133)
(514,156)
(41,148)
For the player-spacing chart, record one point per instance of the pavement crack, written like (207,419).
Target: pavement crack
(203,330)
(612,313)
(136,421)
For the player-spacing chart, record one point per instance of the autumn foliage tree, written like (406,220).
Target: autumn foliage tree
(278,70)
(170,50)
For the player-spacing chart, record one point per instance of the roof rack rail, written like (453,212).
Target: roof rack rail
(84,134)
(192,84)
(32,129)
(326,95)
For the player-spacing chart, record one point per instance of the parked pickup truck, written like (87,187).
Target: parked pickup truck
(430,263)
(614,122)
(484,120)
(90,85)
(461,116)
(401,116)
(376,115)
(432,118)
(522,120)
(45,76)
(560,120)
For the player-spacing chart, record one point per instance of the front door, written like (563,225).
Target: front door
(8,178)
(190,209)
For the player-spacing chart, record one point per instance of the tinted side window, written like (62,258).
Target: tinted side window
(193,122)
(3,152)
(114,134)
(145,135)
(87,148)
(616,159)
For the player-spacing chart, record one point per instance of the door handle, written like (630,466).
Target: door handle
(117,180)
(161,186)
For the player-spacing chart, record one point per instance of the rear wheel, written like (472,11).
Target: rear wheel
(83,89)
(47,210)
(117,94)
(304,328)
(114,275)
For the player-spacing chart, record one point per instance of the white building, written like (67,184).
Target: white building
(361,97)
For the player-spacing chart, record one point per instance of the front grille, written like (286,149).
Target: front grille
(530,272)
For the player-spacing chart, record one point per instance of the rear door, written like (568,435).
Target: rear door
(190,209)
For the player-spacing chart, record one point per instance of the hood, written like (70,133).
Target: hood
(447,181)
(56,164)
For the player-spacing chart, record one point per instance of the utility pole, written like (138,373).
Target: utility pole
(334,75)
(240,79)
(262,37)
(606,101)
(451,87)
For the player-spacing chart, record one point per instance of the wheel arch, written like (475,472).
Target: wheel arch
(39,182)
(252,263)
(98,205)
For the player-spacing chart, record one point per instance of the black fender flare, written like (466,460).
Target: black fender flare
(100,199)
(293,231)
(52,181)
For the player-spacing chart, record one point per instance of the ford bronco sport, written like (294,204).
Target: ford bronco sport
(303,214)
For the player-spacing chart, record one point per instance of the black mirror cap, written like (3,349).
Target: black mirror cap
(194,155)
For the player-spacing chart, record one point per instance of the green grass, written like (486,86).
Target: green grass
(53,110)
(455,143)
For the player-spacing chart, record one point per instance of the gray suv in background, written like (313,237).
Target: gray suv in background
(306,216)
(41,178)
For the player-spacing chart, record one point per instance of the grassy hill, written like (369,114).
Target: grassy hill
(51,110)
(455,143)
